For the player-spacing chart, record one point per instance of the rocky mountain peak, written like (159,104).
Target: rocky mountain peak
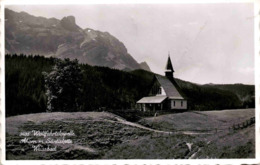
(63,38)
(69,23)
(145,66)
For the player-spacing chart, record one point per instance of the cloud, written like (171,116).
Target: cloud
(176,25)
(246,70)
(193,23)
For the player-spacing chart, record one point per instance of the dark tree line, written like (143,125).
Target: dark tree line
(25,91)
(38,84)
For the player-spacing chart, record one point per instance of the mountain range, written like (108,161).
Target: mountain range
(27,34)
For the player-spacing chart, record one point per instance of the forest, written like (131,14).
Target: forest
(37,84)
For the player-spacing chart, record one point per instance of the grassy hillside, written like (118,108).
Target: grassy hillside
(199,120)
(102,135)
(95,133)
(223,142)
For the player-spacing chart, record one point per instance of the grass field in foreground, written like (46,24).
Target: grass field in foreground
(199,120)
(102,135)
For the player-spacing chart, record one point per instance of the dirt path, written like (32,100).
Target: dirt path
(122,121)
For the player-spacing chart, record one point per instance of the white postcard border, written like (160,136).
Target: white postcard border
(124,162)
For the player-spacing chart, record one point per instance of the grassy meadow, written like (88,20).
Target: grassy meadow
(103,135)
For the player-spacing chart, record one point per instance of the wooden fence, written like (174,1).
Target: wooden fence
(244,124)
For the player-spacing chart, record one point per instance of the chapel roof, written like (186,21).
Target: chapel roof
(170,87)
(152,99)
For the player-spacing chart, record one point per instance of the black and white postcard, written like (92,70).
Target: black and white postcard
(154,82)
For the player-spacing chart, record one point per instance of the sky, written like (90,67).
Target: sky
(208,43)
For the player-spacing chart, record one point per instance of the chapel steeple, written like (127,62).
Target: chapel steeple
(169,69)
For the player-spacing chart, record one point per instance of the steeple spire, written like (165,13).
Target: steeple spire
(169,64)
(168,68)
